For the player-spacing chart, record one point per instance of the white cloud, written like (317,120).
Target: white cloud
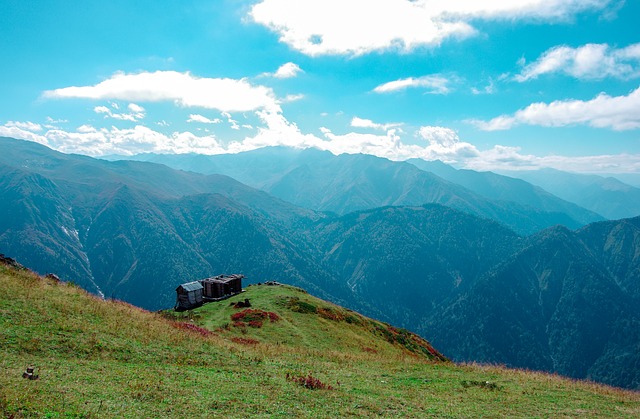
(276,131)
(618,113)
(292,98)
(135,108)
(591,61)
(98,142)
(442,144)
(287,71)
(137,112)
(387,145)
(435,84)
(203,119)
(367,123)
(85,128)
(232,122)
(50,120)
(182,88)
(102,109)
(355,27)
(29,126)
(489,89)
(442,136)
(511,158)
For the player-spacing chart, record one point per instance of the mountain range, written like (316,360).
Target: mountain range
(606,196)
(483,276)
(320,181)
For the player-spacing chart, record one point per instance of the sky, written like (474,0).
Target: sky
(485,85)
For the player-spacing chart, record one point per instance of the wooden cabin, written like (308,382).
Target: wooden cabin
(222,286)
(189,295)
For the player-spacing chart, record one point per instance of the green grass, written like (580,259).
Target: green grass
(108,359)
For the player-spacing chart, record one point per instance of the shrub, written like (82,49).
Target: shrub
(192,327)
(309,382)
(297,305)
(245,341)
(330,314)
(253,317)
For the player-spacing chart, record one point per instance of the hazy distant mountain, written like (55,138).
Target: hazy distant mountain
(504,188)
(324,182)
(608,197)
(632,179)
(558,300)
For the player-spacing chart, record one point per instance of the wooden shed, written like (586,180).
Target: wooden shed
(222,286)
(189,295)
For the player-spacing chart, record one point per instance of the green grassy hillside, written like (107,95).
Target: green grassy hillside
(100,358)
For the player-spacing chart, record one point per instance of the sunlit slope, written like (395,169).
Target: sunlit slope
(100,358)
(282,315)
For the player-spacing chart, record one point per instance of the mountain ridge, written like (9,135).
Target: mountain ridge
(425,268)
(321,181)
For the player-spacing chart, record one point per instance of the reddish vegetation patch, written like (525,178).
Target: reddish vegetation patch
(192,327)
(253,317)
(370,350)
(309,382)
(245,341)
(330,314)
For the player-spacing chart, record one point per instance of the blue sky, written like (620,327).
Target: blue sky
(489,85)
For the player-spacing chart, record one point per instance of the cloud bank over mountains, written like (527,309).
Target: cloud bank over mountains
(376,77)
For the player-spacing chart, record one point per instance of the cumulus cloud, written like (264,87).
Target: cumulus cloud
(442,136)
(184,89)
(434,84)
(489,89)
(27,125)
(135,108)
(445,145)
(591,61)
(232,122)
(511,158)
(275,131)
(355,27)
(86,128)
(618,113)
(292,98)
(102,141)
(136,113)
(203,119)
(50,120)
(442,143)
(287,71)
(367,123)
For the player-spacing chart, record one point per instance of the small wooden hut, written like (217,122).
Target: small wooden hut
(222,286)
(189,295)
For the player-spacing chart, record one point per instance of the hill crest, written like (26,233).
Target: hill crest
(108,358)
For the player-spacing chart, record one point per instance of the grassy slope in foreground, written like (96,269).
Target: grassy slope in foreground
(109,359)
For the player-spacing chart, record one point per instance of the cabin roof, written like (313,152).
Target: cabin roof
(224,278)
(191,286)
